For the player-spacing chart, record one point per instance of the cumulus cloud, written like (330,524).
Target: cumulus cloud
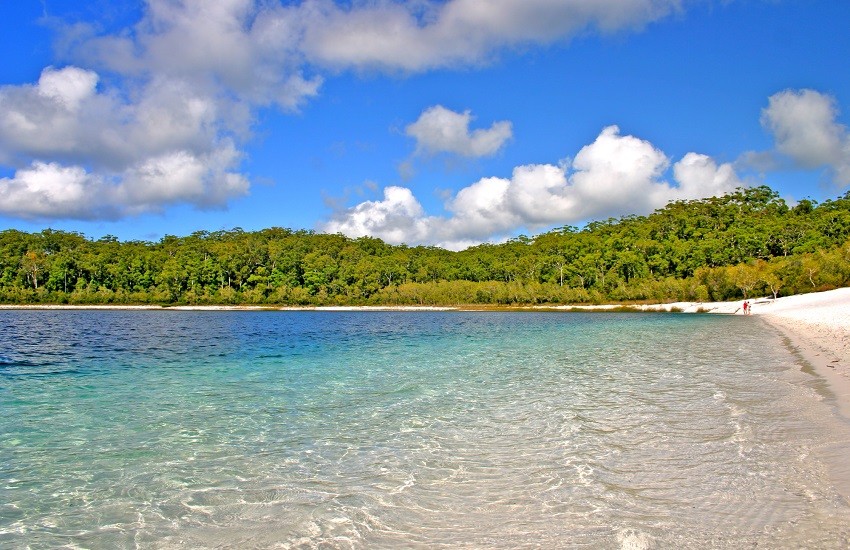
(415,36)
(248,48)
(612,176)
(155,113)
(182,89)
(183,176)
(803,123)
(396,218)
(441,130)
(53,191)
(700,176)
(260,49)
(64,116)
(83,153)
(47,190)
(68,87)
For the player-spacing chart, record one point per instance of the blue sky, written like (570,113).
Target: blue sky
(448,123)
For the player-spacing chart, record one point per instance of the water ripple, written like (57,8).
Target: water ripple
(166,429)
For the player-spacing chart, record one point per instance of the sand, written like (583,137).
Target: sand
(818,327)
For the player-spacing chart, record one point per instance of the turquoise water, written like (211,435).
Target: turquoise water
(165,429)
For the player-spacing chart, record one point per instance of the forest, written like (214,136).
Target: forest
(741,245)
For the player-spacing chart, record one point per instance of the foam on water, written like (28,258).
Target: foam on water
(163,429)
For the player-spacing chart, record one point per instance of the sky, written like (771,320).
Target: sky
(446,123)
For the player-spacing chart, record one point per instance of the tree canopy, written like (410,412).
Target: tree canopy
(743,244)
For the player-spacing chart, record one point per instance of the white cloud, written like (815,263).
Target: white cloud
(699,176)
(58,118)
(45,119)
(479,212)
(619,175)
(259,48)
(614,175)
(181,86)
(440,130)
(803,123)
(82,153)
(397,218)
(53,191)
(247,48)
(539,194)
(68,87)
(182,176)
(47,190)
(175,90)
(415,36)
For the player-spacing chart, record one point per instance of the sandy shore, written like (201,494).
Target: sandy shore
(226,308)
(818,326)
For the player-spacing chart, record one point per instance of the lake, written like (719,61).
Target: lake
(364,429)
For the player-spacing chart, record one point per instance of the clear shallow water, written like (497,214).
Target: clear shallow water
(161,429)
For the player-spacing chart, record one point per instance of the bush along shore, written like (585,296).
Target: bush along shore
(744,244)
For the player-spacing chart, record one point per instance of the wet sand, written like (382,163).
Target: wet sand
(818,326)
(818,329)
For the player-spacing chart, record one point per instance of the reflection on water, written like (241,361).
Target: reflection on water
(395,429)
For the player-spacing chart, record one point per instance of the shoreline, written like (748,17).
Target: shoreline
(815,327)
(818,329)
(817,324)
(761,306)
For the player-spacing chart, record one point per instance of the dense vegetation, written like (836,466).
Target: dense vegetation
(740,245)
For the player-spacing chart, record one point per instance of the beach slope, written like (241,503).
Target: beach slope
(818,326)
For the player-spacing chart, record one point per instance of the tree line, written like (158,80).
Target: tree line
(739,245)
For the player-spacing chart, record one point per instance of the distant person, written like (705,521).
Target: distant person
(746,307)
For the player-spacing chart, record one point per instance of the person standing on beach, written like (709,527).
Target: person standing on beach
(746,307)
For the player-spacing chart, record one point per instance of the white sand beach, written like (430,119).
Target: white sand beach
(818,326)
